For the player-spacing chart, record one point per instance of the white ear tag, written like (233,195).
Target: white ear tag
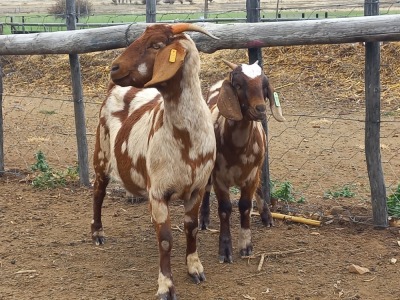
(276,98)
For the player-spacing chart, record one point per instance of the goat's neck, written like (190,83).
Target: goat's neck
(239,131)
(183,101)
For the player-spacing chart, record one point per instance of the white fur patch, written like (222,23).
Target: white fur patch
(123,147)
(165,245)
(244,238)
(252,174)
(251,71)
(188,219)
(256,148)
(159,211)
(194,264)
(247,159)
(164,283)
(142,68)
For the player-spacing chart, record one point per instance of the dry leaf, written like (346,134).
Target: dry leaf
(357,269)
(393,261)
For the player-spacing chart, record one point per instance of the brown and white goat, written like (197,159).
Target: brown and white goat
(156,141)
(238,105)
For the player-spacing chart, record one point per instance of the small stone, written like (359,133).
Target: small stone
(357,269)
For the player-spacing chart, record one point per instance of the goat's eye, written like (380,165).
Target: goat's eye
(157,45)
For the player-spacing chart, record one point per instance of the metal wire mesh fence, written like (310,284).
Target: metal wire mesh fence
(319,149)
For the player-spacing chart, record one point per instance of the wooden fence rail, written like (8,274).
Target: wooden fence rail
(232,36)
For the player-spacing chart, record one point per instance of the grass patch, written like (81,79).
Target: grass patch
(284,191)
(47,178)
(48,112)
(393,203)
(344,192)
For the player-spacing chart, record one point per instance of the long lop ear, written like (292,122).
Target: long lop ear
(274,104)
(228,102)
(167,62)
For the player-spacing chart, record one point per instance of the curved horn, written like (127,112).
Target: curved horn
(230,65)
(181,27)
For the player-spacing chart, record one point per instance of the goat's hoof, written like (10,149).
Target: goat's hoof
(225,259)
(203,226)
(197,278)
(167,296)
(99,241)
(266,219)
(204,223)
(98,237)
(247,251)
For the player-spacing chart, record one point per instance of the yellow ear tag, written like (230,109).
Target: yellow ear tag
(172,56)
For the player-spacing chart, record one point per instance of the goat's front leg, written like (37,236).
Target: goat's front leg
(205,207)
(224,213)
(245,202)
(195,268)
(162,224)
(100,185)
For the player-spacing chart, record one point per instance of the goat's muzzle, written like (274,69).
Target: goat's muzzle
(257,113)
(119,77)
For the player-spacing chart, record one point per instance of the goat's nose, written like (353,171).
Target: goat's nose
(260,108)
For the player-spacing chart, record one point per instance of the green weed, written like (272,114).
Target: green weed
(47,112)
(45,177)
(393,203)
(344,192)
(284,191)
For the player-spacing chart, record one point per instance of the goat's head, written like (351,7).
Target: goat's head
(244,93)
(155,57)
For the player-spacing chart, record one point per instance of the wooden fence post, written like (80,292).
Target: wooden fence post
(1,125)
(255,54)
(151,13)
(206,9)
(372,125)
(79,108)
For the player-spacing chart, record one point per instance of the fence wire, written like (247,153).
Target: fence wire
(320,148)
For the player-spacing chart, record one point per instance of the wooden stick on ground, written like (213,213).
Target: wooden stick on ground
(260,264)
(296,219)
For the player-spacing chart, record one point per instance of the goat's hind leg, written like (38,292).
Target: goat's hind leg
(195,268)
(100,162)
(99,193)
(263,208)
(205,207)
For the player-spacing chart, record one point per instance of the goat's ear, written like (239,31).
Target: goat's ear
(228,102)
(274,103)
(167,62)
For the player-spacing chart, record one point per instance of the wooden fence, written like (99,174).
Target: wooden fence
(252,35)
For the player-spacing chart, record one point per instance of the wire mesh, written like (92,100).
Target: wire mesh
(320,148)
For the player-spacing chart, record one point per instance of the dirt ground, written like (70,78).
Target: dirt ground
(46,251)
